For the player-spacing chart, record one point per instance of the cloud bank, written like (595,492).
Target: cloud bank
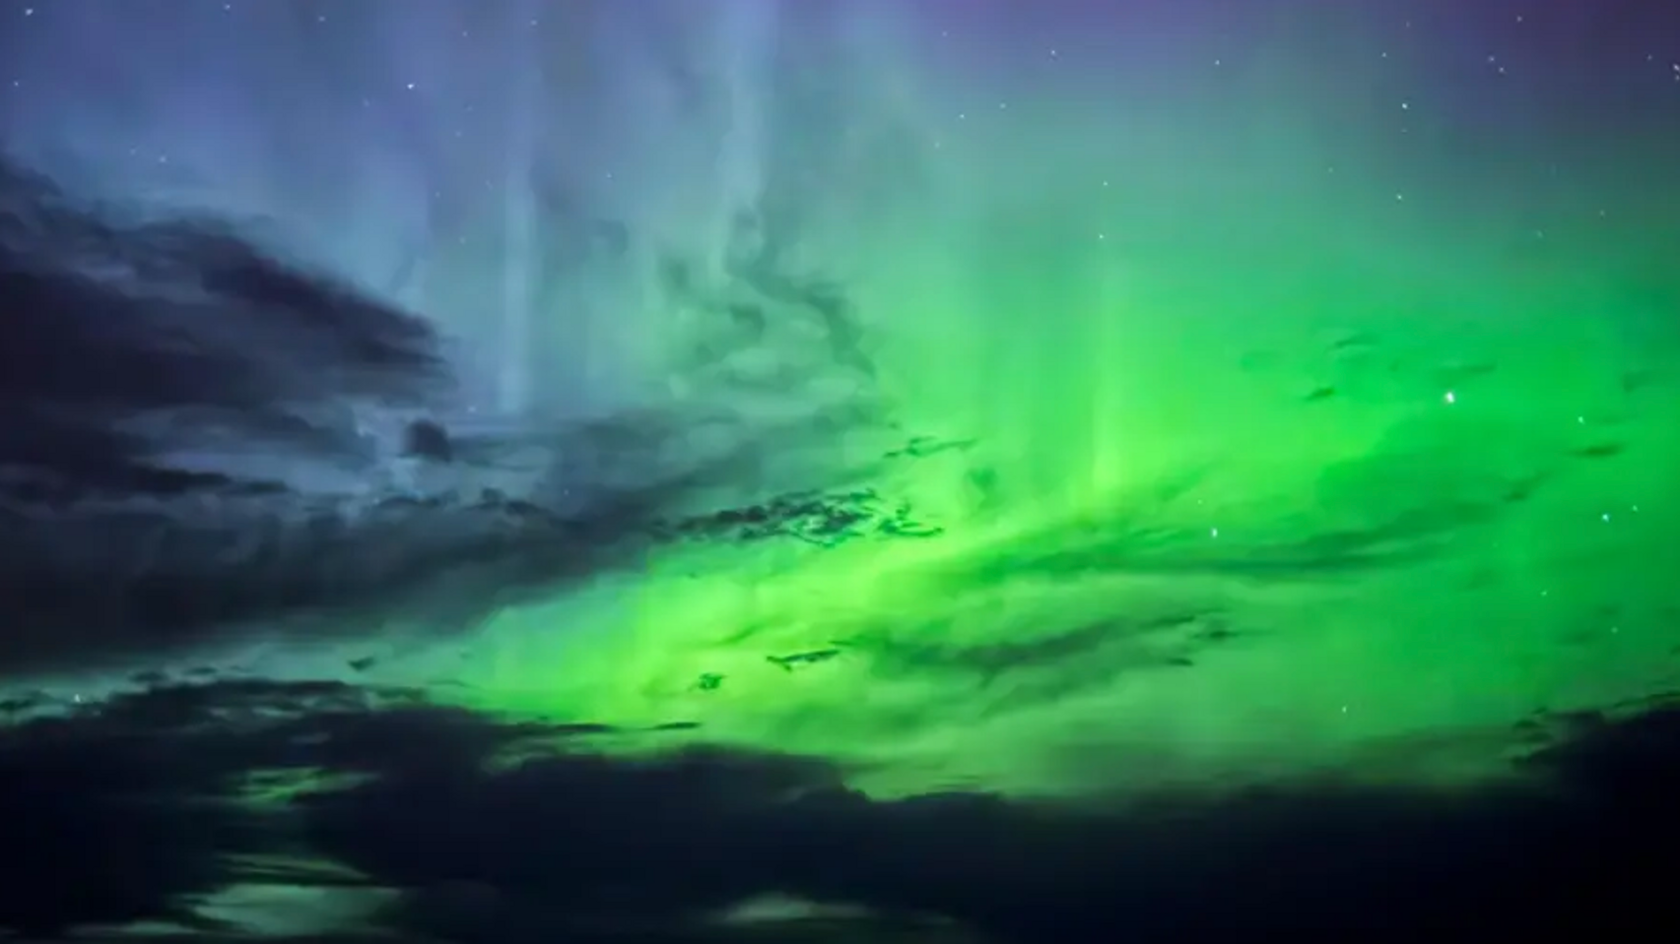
(171,804)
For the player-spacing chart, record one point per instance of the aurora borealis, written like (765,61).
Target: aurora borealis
(757,470)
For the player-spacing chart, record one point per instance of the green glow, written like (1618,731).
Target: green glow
(1346,447)
(1169,452)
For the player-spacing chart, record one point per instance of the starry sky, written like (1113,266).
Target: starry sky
(746,470)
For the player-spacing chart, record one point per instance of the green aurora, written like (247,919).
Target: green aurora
(1172,530)
(1208,463)
(1197,463)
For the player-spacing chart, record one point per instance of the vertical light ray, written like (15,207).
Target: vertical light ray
(519,211)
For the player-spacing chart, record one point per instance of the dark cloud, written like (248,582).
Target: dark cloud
(129,344)
(109,322)
(491,831)
(191,443)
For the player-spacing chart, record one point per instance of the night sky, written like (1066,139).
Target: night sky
(756,470)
